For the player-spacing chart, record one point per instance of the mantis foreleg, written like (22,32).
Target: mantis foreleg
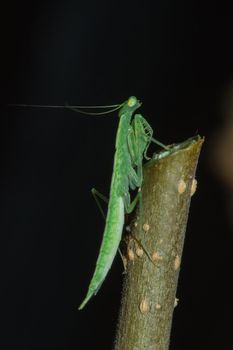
(139,138)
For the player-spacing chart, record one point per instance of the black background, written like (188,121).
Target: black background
(176,57)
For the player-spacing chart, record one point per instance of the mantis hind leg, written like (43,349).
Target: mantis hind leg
(96,194)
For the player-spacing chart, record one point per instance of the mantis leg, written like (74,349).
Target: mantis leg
(137,142)
(144,135)
(96,194)
(160,144)
(139,138)
(129,208)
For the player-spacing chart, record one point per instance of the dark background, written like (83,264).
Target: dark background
(177,59)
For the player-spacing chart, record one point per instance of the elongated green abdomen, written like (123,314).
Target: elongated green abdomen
(110,243)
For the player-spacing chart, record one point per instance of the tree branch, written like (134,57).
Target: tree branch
(149,289)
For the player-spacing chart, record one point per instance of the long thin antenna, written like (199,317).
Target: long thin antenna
(62,106)
(94,113)
(78,109)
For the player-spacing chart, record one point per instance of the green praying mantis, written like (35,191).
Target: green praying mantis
(134,136)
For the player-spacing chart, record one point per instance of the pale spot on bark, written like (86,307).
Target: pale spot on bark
(131,255)
(146,227)
(193,187)
(156,257)
(139,252)
(144,306)
(176,302)
(176,262)
(181,186)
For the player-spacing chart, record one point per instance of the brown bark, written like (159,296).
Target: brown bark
(149,289)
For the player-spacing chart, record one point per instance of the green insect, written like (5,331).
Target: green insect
(134,136)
